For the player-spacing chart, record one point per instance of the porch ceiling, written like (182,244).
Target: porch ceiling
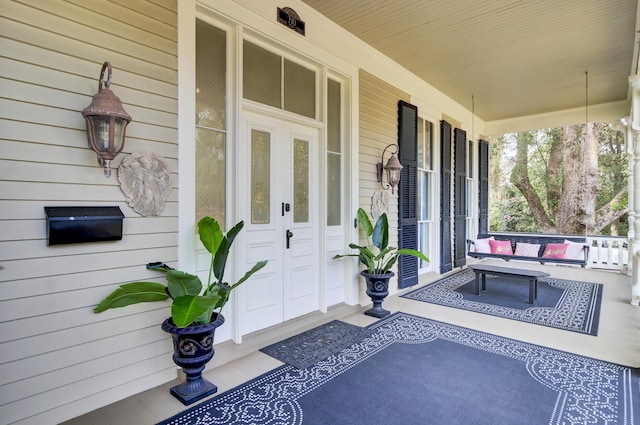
(516,57)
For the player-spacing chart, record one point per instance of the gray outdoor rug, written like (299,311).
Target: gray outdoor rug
(564,304)
(308,348)
(417,371)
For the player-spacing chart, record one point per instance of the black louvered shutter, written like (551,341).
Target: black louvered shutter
(446,263)
(407,219)
(460,198)
(483,195)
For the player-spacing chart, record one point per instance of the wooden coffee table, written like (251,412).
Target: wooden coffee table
(481,271)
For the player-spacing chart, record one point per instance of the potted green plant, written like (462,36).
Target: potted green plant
(195,308)
(379,258)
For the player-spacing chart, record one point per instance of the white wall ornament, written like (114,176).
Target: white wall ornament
(379,203)
(145,179)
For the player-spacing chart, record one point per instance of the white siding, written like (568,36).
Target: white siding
(378,128)
(57,358)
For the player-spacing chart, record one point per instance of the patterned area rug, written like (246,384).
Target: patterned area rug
(563,304)
(308,348)
(414,370)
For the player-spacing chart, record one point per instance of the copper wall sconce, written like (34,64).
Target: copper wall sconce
(106,122)
(393,168)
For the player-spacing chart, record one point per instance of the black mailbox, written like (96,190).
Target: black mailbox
(83,224)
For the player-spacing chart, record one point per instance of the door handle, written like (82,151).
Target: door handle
(289,235)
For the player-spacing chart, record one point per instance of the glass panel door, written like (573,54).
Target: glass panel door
(283,202)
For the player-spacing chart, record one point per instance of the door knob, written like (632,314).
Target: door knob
(289,235)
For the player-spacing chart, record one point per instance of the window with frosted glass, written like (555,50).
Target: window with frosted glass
(334,153)
(210,174)
(261,75)
(299,89)
(300,181)
(260,177)
(211,77)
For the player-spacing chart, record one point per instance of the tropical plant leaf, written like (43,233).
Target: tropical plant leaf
(381,233)
(414,253)
(210,234)
(160,266)
(390,262)
(384,252)
(182,283)
(363,219)
(335,257)
(247,275)
(233,232)
(368,261)
(223,291)
(219,260)
(133,293)
(187,308)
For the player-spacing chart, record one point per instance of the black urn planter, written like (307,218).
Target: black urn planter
(377,290)
(192,349)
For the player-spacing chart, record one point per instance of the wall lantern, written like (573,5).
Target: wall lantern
(106,122)
(393,168)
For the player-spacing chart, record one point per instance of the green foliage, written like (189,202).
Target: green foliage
(516,214)
(377,255)
(509,210)
(193,302)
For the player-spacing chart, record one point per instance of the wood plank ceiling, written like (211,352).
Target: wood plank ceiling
(516,57)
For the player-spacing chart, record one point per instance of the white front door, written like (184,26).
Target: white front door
(281,189)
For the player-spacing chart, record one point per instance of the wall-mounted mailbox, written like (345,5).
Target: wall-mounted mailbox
(83,224)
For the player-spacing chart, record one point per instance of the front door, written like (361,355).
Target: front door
(281,202)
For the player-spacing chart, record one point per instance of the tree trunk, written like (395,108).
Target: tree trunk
(591,185)
(554,172)
(567,216)
(520,179)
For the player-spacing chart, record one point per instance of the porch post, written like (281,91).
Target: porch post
(628,141)
(634,82)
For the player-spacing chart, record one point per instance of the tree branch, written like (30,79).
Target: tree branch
(611,211)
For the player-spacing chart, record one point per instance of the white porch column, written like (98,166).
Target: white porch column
(634,201)
(628,142)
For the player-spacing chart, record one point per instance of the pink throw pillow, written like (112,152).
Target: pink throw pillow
(555,250)
(482,245)
(501,247)
(527,249)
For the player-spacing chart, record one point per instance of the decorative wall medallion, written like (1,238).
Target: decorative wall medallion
(145,179)
(379,203)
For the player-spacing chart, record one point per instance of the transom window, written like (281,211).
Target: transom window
(273,80)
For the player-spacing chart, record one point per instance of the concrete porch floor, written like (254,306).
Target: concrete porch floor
(618,341)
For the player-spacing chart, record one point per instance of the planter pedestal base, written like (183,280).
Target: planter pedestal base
(193,390)
(377,311)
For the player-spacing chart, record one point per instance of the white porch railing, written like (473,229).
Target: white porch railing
(608,252)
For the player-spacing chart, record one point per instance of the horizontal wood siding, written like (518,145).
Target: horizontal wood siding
(57,358)
(378,128)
